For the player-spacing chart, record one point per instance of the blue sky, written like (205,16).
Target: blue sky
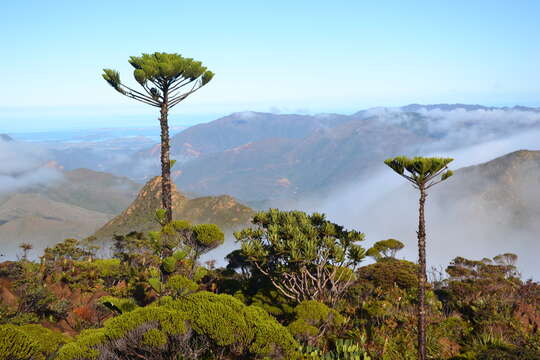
(289,56)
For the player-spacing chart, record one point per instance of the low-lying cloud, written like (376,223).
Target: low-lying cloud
(460,127)
(23,165)
(386,206)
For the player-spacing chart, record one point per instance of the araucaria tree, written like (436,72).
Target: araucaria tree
(306,257)
(423,173)
(166,80)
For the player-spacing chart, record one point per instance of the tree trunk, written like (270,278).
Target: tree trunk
(422,276)
(166,195)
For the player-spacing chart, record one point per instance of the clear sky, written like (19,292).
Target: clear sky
(289,56)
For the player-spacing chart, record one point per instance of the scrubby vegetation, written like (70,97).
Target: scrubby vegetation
(300,287)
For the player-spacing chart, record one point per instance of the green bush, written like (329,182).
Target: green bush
(199,324)
(179,285)
(168,265)
(313,321)
(29,342)
(118,305)
(227,322)
(126,334)
(15,344)
(388,272)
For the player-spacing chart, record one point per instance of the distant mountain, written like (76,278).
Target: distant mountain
(222,210)
(505,189)
(5,137)
(257,156)
(88,189)
(483,210)
(248,127)
(35,219)
(75,205)
(292,168)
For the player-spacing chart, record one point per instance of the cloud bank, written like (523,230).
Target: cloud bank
(386,206)
(23,165)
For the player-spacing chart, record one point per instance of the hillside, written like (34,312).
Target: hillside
(92,190)
(74,204)
(276,161)
(222,210)
(506,189)
(35,219)
(483,209)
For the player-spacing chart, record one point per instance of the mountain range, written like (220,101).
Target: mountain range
(264,159)
(257,157)
(85,202)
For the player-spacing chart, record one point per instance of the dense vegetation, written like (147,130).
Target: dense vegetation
(298,288)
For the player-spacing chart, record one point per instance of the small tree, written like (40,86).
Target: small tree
(306,257)
(423,173)
(385,249)
(166,79)
(25,247)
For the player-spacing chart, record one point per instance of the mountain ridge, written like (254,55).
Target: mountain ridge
(222,210)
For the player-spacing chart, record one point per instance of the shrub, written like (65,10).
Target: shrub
(313,321)
(199,324)
(388,272)
(29,342)
(15,344)
(179,285)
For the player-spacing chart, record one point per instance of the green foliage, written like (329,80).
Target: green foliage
(200,273)
(421,171)
(272,301)
(127,333)
(69,249)
(9,315)
(162,77)
(385,249)
(118,305)
(29,342)
(207,237)
(107,268)
(179,285)
(155,338)
(48,341)
(389,272)
(156,284)
(300,252)
(344,349)
(161,216)
(180,255)
(38,299)
(246,329)
(313,320)
(15,344)
(220,324)
(169,265)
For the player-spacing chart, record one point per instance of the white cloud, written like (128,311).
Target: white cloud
(23,165)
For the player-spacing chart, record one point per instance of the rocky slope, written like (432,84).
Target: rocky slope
(222,210)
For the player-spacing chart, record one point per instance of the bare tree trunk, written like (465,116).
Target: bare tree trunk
(422,276)
(166,195)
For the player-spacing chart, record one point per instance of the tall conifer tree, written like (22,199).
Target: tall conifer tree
(166,80)
(423,173)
